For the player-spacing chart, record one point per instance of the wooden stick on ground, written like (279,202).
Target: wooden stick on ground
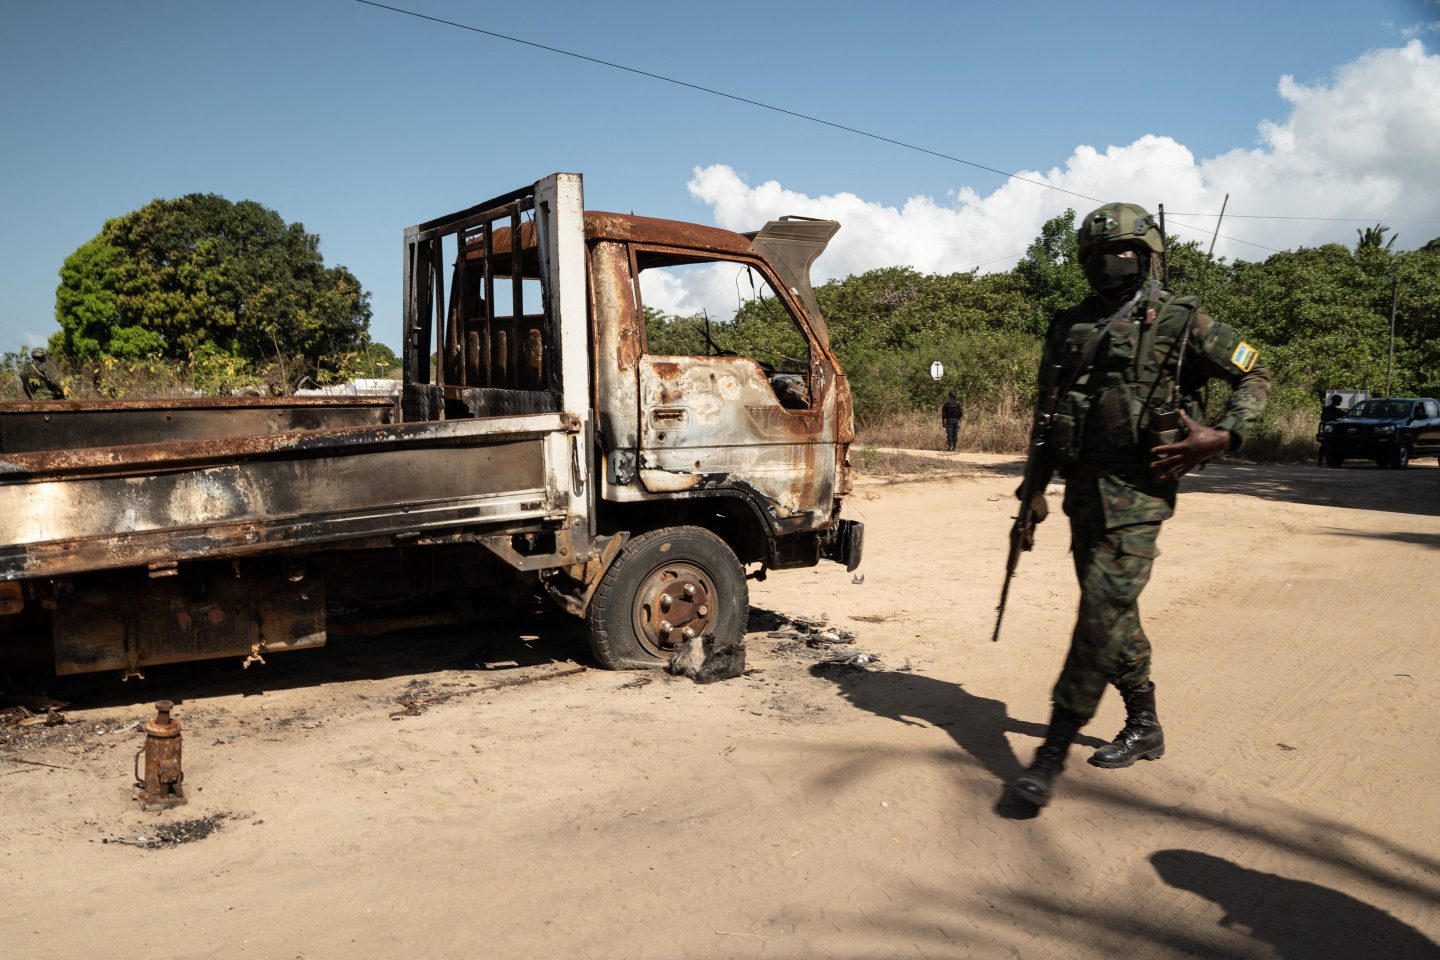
(411,707)
(36,763)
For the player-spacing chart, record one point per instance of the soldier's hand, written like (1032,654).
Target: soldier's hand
(1174,460)
(1039,509)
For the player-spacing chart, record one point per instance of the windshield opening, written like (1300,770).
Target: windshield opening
(1381,409)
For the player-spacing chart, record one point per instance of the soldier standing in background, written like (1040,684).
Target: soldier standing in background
(36,379)
(951,412)
(1332,412)
(1125,432)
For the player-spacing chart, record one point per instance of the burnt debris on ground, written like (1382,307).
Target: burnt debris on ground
(172,834)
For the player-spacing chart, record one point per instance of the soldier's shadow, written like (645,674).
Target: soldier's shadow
(978,725)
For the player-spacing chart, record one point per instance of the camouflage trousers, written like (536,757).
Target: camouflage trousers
(1108,644)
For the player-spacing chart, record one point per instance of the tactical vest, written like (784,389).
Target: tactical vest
(1111,412)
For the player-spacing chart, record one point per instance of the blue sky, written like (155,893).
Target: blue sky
(358,121)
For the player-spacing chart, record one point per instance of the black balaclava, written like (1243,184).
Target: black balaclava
(1113,275)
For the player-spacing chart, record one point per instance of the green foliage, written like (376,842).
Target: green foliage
(200,276)
(1050,271)
(1371,237)
(1320,317)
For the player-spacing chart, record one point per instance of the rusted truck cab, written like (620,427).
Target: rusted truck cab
(540,437)
(771,435)
(704,462)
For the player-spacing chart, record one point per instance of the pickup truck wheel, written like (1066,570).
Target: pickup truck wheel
(1400,459)
(664,587)
(1333,458)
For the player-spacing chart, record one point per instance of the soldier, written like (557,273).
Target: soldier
(950,413)
(1333,412)
(35,378)
(1133,359)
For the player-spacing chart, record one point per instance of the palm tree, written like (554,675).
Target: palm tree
(1371,237)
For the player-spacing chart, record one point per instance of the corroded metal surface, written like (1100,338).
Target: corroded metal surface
(716,420)
(126,621)
(495,445)
(673,233)
(403,478)
(159,787)
(39,427)
(673,605)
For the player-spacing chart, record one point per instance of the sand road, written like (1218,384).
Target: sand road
(806,810)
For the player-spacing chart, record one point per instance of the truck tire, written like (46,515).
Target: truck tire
(1333,458)
(1400,459)
(683,578)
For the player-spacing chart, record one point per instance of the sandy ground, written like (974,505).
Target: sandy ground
(805,810)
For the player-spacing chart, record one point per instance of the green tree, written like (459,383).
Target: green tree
(1050,270)
(201,271)
(1371,237)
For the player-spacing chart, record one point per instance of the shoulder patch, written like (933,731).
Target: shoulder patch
(1244,356)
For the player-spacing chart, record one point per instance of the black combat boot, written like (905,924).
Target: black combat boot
(1036,784)
(1141,738)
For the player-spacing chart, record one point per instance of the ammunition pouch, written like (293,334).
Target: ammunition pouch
(1066,436)
(1161,427)
(1111,430)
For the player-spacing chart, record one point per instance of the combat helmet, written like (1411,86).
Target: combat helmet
(1118,223)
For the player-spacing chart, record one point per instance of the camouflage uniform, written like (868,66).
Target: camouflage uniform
(1114,503)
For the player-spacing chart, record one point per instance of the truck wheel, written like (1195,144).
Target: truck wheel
(665,586)
(1400,459)
(1333,458)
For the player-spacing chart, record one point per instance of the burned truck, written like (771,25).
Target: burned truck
(537,441)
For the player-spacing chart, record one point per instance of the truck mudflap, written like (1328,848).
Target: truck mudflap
(846,543)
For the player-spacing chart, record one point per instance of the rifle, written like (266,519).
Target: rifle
(1038,467)
(1036,477)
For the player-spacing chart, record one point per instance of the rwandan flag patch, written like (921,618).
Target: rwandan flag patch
(1244,356)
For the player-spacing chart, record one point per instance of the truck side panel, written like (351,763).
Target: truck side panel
(113,512)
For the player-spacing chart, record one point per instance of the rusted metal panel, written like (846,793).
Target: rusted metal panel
(619,343)
(130,459)
(711,422)
(79,523)
(126,622)
(651,230)
(37,427)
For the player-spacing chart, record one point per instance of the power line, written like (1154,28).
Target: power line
(721,93)
(812,119)
(1269,216)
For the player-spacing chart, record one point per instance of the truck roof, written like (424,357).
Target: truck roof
(600,225)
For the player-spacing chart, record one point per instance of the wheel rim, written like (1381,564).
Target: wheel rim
(674,603)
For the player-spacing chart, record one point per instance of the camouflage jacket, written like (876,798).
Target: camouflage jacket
(1106,423)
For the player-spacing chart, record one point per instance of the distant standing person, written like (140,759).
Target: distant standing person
(951,412)
(1333,412)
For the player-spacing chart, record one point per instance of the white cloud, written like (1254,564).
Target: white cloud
(1364,145)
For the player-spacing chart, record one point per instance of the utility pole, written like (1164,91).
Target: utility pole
(1394,298)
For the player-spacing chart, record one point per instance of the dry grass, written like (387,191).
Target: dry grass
(872,462)
(1002,427)
(1286,435)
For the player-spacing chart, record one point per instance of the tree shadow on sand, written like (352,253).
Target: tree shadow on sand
(1356,486)
(1299,920)
(977,724)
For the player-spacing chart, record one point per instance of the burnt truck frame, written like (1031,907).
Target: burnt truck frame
(535,438)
